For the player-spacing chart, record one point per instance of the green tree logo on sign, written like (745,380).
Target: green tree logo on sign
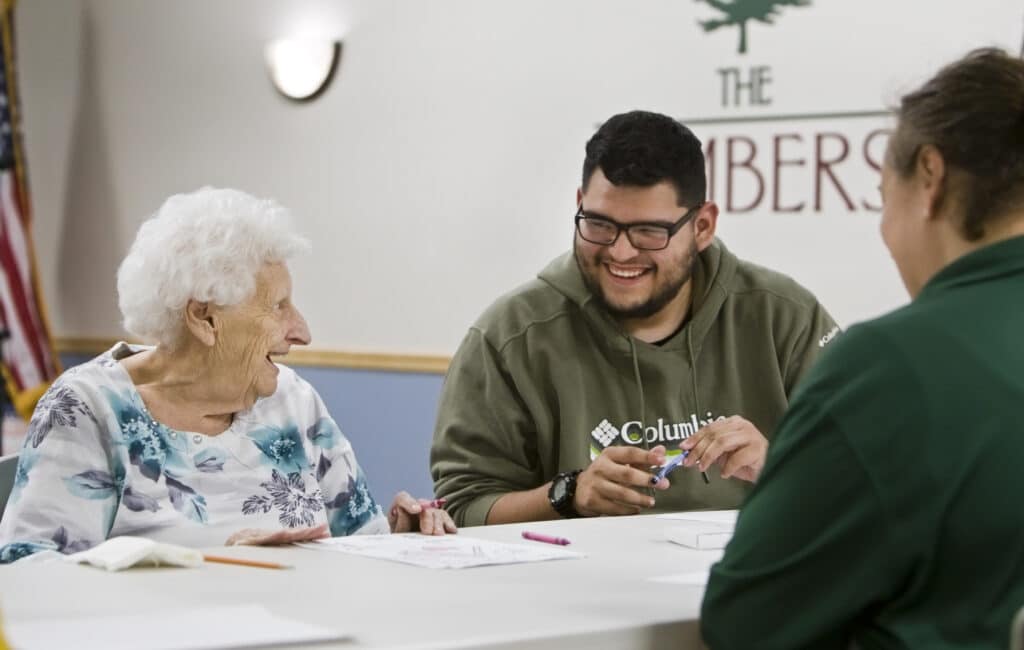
(738,12)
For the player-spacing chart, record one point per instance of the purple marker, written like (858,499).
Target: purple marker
(668,467)
(547,539)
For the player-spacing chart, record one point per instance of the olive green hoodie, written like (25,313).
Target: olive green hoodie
(546,379)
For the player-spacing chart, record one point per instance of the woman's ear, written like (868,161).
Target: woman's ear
(933,179)
(201,322)
(704,225)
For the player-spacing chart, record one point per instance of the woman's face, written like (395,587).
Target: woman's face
(265,325)
(904,204)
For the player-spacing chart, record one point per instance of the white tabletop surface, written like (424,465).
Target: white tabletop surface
(602,601)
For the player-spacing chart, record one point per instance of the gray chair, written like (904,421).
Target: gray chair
(1017,631)
(8,466)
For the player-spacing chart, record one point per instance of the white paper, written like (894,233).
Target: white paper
(702,529)
(700,535)
(208,628)
(714,516)
(692,579)
(448,552)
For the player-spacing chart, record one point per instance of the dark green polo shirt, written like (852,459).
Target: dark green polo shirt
(891,508)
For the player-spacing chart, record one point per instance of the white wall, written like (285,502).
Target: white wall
(440,168)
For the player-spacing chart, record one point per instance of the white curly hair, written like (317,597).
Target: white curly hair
(207,245)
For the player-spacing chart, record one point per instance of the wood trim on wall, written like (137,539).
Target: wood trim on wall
(422,363)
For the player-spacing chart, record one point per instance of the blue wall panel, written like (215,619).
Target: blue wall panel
(388,416)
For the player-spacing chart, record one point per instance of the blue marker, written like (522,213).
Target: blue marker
(668,467)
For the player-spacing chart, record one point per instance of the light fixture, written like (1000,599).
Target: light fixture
(301,69)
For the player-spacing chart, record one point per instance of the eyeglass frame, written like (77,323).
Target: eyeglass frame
(619,227)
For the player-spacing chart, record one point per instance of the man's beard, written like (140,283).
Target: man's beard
(661,296)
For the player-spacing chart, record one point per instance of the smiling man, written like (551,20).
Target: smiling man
(649,336)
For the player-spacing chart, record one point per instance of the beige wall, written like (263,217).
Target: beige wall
(440,168)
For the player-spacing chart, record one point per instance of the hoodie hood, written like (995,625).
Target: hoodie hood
(712,274)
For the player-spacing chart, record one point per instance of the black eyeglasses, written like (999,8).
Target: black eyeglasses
(644,236)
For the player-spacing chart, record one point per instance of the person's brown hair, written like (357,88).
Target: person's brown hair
(972,111)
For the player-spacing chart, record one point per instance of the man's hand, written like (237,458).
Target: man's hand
(608,485)
(262,537)
(733,443)
(409,515)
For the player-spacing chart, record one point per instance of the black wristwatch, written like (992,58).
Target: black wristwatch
(562,493)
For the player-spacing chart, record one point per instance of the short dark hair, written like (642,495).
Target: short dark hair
(642,149)
(972,111)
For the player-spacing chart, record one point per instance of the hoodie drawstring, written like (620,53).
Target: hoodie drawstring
(693,381)
(643,406)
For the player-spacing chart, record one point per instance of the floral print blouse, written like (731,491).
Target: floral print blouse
(96,465)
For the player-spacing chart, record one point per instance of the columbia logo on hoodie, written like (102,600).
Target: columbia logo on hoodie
(634,432)
(604,433)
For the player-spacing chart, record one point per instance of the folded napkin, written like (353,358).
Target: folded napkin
(701,535)
(123,552)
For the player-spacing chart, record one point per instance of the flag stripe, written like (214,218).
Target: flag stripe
(24,340)
(16,355)
(18,239)
(7,345)
(29,361)
(19,298)
(16,236)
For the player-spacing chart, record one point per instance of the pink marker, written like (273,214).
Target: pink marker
(436,503)
(547,539)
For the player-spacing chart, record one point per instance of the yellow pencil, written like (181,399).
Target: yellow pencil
(240,562)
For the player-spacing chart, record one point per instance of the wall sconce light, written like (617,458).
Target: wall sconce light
(302,69)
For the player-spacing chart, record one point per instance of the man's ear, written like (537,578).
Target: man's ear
(933,177)
(579,197)
(704,225)
(201,322)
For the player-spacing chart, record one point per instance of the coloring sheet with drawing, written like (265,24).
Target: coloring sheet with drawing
(448,552)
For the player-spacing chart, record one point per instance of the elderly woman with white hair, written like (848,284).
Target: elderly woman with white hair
(201,439)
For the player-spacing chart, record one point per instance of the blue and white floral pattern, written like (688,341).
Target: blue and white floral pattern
(66,545)
(17,550)
(93,484)
(353,506)
(282,448)
(26,460)
(59,406)
(137,501)
(287,495)
(150,445)
(96,465)
(324,434)
(210,460)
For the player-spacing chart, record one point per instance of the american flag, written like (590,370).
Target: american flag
(29,362)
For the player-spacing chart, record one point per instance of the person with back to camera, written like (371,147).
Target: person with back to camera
(888,513)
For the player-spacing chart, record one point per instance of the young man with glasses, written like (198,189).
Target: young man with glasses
(649,336)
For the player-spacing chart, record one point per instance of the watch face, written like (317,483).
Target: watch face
(558,489)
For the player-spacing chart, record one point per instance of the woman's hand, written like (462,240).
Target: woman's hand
(262,537)
(411,515)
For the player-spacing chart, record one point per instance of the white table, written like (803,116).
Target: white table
(602,601)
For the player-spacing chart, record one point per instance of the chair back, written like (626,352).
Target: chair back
(8,467)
